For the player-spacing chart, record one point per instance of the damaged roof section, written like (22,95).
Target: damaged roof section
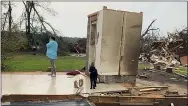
(168,52)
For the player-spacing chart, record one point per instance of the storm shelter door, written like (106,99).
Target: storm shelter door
(131,43)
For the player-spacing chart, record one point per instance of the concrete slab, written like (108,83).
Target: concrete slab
(42,84)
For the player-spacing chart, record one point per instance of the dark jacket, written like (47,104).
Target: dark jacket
(93,70)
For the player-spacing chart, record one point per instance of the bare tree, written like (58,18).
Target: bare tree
(8,15)
(30,7)
(150,35)
(4,16)
(148,29)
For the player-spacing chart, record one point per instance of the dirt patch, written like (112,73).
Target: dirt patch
(159,77)
(127,85)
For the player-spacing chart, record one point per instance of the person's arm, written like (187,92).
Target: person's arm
(96,71)
(48,45)
(57,45)
(90,69)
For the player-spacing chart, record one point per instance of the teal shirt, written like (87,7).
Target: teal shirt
(52,49)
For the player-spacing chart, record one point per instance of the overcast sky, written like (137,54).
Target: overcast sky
(71,19)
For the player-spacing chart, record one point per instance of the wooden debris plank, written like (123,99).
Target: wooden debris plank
(149,89)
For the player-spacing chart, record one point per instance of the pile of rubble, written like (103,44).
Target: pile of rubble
(167,52)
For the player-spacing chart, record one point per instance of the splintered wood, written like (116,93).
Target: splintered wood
(149,90)
(167,51)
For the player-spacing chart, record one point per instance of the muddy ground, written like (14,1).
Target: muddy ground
(161,77)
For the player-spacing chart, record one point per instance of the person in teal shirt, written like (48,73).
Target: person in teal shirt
(51,53)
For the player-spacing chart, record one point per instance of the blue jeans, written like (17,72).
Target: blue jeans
(52,61)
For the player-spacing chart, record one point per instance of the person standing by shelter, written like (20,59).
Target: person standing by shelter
(51,53)
(93,75)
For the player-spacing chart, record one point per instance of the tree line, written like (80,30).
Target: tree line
(32,30)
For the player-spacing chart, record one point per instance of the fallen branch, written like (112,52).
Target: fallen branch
(147,30)
(50,27)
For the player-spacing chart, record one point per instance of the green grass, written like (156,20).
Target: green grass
(41,63)
(181,70)
(24,62)
(143,66)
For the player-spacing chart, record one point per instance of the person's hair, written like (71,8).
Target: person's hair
(52,37)
(92,64)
